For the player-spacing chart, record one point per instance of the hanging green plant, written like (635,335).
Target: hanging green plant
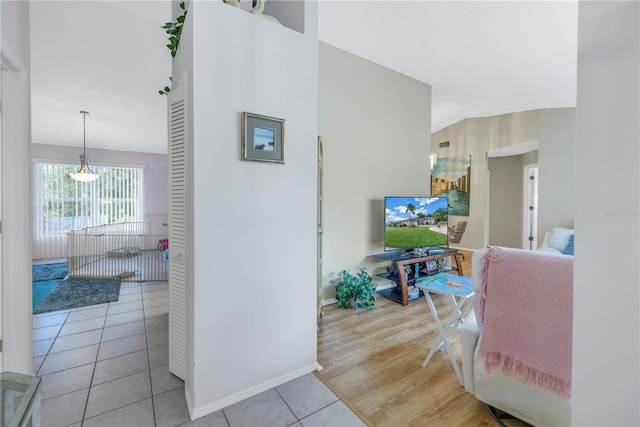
(166,89)
(174,30)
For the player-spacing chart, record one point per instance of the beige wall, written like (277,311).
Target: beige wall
(556,168)
(554,129)
(375,124)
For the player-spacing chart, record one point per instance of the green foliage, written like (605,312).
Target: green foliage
(166,89)
(405,237)
(411,209)
(174,30)
(440,215)
(360,288)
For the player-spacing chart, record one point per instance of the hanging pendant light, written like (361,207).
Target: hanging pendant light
(84,174)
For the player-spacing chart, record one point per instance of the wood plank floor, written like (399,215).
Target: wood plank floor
(373,359)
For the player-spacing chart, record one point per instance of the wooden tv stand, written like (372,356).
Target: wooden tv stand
(403,281)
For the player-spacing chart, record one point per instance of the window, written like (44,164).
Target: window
(63,204)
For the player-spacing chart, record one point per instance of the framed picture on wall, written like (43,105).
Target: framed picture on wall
(262,138)
(451,177)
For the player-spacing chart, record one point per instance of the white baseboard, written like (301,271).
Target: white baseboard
(379,287)
(464,249)
(252,391)
(189,399)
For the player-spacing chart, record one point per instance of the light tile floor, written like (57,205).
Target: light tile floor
(107,365)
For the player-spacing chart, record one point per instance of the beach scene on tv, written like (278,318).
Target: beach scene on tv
(415,222)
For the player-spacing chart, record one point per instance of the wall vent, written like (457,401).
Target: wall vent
(444,144)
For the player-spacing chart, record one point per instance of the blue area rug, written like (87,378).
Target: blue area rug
(41,290)
(45,277)
(56,270)
(79,293)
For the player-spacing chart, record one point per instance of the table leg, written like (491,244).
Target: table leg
(453,321)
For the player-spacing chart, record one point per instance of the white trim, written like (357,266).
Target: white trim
(76,161)
(189,399)
(514,150)
(525,207)
(329,301)
(251,391)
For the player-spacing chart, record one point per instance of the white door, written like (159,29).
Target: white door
(178,165)
(530,229)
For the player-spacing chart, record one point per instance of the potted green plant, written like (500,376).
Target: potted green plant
(358,288)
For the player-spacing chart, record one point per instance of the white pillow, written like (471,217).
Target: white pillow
(560,238)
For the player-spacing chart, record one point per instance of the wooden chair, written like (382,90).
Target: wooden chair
(455,233)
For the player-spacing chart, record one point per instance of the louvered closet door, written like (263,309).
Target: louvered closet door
(177,234)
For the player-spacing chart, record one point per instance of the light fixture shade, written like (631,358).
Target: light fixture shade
(84,174)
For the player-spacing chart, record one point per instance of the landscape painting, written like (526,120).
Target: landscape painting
(451,177)
(263,139)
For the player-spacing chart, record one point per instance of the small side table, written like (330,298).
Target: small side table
(460,292)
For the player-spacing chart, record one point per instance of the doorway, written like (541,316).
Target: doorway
(508,191)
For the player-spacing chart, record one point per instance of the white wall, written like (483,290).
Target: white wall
(254,241)
(375,125)
(15,183)
(554,129)
(606,323)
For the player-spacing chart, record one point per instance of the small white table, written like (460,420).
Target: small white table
(460,292)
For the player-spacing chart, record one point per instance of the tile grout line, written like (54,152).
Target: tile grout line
(299,420)
(287,405)
(94,368)
(66,320)
(95,363)
(50,347)
(146,339)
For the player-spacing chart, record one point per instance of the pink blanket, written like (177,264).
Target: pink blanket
(525,312)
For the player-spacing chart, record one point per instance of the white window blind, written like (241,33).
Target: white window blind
(62,204)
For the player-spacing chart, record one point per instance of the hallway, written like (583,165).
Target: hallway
(107,365)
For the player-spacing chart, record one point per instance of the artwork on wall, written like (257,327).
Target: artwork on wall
(451,177)
(262,138)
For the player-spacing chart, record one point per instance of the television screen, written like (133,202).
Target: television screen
(415,222)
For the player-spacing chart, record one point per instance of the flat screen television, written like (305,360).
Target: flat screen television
(415,222)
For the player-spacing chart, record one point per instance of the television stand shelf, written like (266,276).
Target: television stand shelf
(403,280)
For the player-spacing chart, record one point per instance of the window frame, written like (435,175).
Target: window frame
(95,196)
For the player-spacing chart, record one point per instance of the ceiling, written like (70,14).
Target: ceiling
(481,58)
